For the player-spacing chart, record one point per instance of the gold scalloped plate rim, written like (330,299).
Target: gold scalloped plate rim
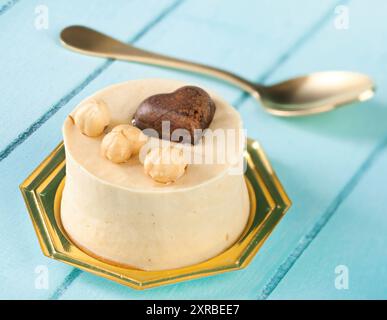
(42,192)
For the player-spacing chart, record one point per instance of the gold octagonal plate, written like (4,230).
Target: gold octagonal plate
(42,192)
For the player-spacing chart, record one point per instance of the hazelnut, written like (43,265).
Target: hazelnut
(165,164)
(133,134)
(92,118)
(116,147)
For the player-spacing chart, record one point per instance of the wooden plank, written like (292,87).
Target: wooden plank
(352,245)
(241,284)
(37,75)
(316,157)
(21,256)
(249,41)
(168,38)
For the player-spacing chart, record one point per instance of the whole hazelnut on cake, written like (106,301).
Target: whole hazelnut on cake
(92,118)
(122,142)
(133,134)
(116,147)
(165,164)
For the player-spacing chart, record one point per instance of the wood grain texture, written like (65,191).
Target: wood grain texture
(355,238)
(351,136)
(38,75)
(166,37)
(21,256)
(241,284)
(315,157)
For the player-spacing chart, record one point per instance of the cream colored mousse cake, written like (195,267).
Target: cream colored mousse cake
(132,207)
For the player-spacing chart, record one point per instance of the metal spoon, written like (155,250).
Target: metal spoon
(309,94)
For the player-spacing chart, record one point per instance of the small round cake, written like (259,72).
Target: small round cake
(119,208)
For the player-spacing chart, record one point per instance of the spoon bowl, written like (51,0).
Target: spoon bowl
(317,92)
(310,94)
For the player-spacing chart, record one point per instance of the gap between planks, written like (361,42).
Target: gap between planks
(75,91)
(307,239)
(7,6)
(238,102)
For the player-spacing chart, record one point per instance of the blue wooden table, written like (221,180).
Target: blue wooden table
(333,241)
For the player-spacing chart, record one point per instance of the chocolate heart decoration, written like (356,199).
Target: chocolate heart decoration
(186,108)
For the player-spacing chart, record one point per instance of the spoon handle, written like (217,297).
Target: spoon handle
(88,41)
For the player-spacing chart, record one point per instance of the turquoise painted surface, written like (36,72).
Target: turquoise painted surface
(39,61)
(323,161)
(354,238)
